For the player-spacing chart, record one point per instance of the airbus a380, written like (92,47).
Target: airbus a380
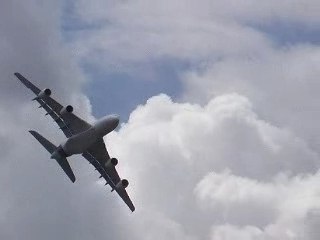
(82,138)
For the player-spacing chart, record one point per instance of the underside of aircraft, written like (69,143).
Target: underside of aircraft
(82,138)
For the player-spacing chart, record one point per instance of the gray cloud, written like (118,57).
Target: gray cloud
(37,201)
(281,83)
(236,160)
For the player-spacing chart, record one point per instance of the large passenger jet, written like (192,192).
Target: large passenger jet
(82,138)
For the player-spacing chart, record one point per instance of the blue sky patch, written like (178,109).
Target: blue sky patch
(288,33)
(121,92)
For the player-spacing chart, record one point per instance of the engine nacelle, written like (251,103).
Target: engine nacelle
(66,110)
(44,93)
(111,162)
(58,154)
(122,183)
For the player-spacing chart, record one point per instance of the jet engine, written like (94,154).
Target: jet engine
(66,110)
(44,93)
(111,162)
(122,183)
(58,154)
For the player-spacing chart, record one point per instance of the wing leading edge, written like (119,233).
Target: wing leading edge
(71,124)
(106,174)
(99,153)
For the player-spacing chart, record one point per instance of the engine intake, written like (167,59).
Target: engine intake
(111,162)
(122,183)
(58,154)
(44,93)
(66,110)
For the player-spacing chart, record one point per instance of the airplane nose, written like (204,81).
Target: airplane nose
(115,119)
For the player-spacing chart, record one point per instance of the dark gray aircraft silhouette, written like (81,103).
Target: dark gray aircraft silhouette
(82,138)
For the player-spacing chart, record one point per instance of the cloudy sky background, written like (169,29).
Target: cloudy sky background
(220,116)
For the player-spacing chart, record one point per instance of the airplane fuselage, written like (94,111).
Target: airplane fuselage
(77,144)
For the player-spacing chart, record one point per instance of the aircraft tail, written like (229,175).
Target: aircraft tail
(51,148)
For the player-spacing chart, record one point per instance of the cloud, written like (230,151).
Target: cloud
(169,149)
(235,156)
(294,10)
(128,34)
(35,49)
(228,133)
(228,232)
(284,202)
(37,201)
(282,85)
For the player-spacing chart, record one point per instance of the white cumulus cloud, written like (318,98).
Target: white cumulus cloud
(234,157)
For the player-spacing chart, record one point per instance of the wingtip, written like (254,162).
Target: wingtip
(32,132)
(132,207)
(17,74)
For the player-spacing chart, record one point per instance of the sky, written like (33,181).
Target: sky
(219,115)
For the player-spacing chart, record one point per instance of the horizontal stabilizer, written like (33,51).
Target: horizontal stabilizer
(62,161)
(44,142)
(64,164)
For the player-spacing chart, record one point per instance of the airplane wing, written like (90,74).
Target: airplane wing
(97,155)
(69,123)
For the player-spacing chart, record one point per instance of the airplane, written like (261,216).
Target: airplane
(82,138)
